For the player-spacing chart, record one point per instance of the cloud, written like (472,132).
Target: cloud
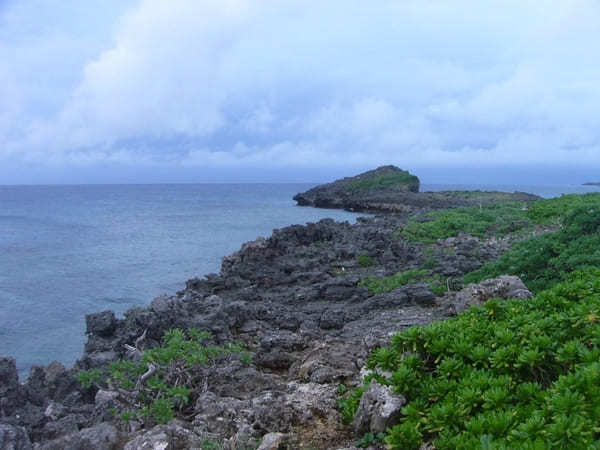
(240,83)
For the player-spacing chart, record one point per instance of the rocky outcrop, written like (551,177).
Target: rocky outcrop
(503,287)
(379,409)
(14,438)
(392,190)
(375,185)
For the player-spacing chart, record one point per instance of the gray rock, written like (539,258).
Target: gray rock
(54,411)
(161,304)
(503,287)
(273,441)
(332,319)
(101,324)
(10,390)
(419,294)
(219,417)
(103,396)
(173,436)
(13,438)
(100,359)
(99,437)
(379,409)
(60,427)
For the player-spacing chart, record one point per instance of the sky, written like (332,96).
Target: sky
(130,91)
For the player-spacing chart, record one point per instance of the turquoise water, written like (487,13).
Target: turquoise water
(69,250)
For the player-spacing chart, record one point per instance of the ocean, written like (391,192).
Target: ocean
(70,250)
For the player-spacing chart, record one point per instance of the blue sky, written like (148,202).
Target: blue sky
(263,90)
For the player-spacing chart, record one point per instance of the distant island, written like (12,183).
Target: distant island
(592,183)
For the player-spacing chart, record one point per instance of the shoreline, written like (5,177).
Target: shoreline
(295,302)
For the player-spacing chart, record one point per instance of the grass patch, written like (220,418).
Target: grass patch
(499,220)
(380,285)
(512,374)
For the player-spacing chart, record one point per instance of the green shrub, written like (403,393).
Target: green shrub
(499,219)
(545,260)
(369,439)
(380,285)
(177,377)
(554,210)
(365,260)
(89,377)
(348,403)
(430,263)
(508,374)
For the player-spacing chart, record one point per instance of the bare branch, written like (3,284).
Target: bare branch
(139,340)
(136,350)
(145,376)
(132,350)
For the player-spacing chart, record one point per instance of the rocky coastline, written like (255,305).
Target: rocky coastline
(296,303)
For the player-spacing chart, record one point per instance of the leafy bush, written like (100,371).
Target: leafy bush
(89,377)
(365,260)
(499,219)
(174,379)
(380,285)
(512,374)
(545,260)
(348,402)
(369,439)
(553,210)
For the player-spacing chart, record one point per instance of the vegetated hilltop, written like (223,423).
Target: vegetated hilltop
(390,189)
(281,347)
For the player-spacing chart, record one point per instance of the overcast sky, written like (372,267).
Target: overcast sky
(265,90)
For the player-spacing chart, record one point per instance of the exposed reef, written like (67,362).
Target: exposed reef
(297,302)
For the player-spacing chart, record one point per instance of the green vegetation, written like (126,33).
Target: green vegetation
(430,263)
(498,220)
(380,285)
(512,374)
(369,439)
(402,178)
(208,444)
(365,260)
(555,209)
(545,260)
(348,402)
(167,377)
(87,378)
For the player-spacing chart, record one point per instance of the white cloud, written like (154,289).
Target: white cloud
(310,84)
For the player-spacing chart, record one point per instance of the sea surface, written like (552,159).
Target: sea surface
(70,250)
